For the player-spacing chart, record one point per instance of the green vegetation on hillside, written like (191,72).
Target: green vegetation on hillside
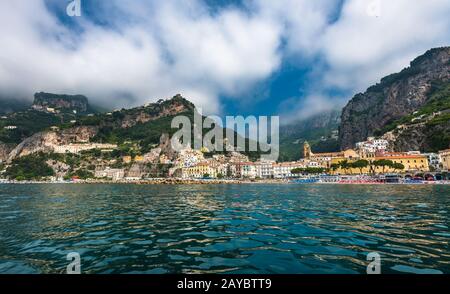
(317,130)
(8,105)
(435,113)
(28,123)
(31,167)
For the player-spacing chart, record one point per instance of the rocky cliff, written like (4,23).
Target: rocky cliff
(47,141)
(396,100)
(42,101)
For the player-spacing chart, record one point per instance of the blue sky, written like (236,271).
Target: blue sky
(294,58)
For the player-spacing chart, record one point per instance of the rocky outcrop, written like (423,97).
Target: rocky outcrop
(80,134)
(395,97)
(40,142)
(165,144)
(47,141)
(42,101)
(137,171)
(154,111)
(5,149)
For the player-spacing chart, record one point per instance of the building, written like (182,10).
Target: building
(77,148)
(369,148)
(412,162)
(199,171)
(189,157)
(264,169)
(236,157)
(444,157)
(307,150)
(10,127)
(248,170)
(113,174)
(434,161)
(284,169)
(127,159)
(139,158)
(325,159)
(234,170)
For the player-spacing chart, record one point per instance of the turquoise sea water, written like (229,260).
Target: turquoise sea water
(284,228)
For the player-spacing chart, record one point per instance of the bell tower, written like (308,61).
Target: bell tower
(306,150)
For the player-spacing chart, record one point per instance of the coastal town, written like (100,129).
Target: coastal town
(370,161)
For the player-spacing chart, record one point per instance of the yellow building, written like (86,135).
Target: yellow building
(327,159)
(126,159)
(445,159)
(411,162)
(199,171)
(139,158)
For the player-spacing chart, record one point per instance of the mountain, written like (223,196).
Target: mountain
(410,108)
(63,103)
(135,131)
(8,105)
(319,130)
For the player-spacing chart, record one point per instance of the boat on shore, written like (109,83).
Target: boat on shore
(367,180)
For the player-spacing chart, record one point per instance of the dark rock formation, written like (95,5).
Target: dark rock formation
(42,101)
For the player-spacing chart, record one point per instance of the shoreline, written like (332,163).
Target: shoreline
(216,182)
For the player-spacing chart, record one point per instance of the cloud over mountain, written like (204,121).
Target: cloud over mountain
(127,53)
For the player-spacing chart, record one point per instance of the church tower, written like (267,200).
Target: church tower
(306,150)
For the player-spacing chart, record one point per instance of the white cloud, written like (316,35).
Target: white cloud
(182,49)
(154,49)
(361,48)
(297,110)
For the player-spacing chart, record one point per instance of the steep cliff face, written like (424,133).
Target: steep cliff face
(47,141)
(394,98)
(154,111)
(62,102)
(5,149)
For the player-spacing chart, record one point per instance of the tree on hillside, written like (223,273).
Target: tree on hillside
(31,167)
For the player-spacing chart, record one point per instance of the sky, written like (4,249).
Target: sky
(293,58)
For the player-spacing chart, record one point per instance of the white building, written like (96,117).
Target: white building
(189,157)
(264,169)
(10,127)
(372,145)
(284,169)
(77,148)
(434,160)
(110,173)
(248,170)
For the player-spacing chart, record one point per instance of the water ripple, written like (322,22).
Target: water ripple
(224,229)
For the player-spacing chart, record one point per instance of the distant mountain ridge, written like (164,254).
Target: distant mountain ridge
(9,105)
(410,108)
(319,130)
